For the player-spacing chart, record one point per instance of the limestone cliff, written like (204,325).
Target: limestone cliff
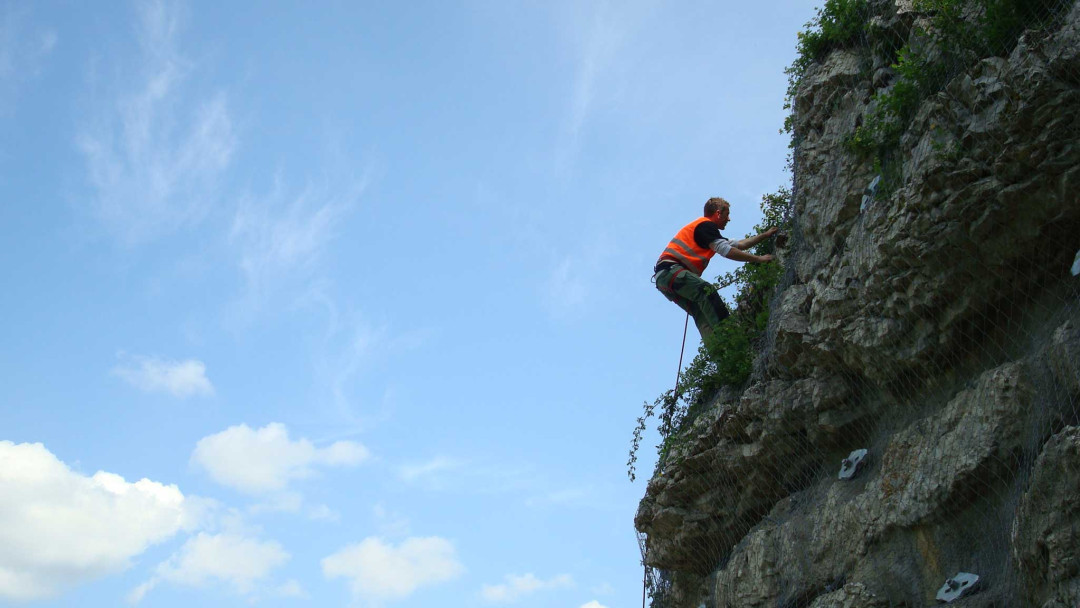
(935,323)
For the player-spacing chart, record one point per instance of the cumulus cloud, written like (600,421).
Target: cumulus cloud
(516,586)
(59,527)
(235,560)
(377,571)
(154,155)
(593,604)
(266,460)
(178,378)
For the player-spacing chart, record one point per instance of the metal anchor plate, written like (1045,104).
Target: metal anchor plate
(852,464)
(959,586)
(869,194)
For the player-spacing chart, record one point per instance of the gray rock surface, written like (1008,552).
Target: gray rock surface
(1046,532)
(938,326)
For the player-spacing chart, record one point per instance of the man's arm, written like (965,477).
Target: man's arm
(741,256)
(753,240)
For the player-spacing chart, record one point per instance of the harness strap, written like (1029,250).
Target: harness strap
(674,276)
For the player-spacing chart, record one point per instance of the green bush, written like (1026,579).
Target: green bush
(961,32)
(838,23)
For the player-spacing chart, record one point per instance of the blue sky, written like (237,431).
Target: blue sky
(349,305)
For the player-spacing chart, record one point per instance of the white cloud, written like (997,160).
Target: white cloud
(178,378)
(601,31)
(438,464)
(154,155)
(291,588)
(577,277)
(389,523)
(566,287)
(47,41)
(323,513)
(378,571)
(517,586)
(236,560)
(59,528)
(282,239)
(593,604)
(22,52)
(603,589)
(266,460)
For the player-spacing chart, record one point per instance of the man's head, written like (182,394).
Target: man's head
(718,210)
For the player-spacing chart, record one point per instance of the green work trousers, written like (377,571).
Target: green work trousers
(694,295)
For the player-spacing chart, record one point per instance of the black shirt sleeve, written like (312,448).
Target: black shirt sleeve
(705,233)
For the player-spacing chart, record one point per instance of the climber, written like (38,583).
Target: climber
(678,271)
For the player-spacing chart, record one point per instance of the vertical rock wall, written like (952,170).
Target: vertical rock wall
(937,325)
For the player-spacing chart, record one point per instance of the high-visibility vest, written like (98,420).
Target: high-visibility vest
(684,250)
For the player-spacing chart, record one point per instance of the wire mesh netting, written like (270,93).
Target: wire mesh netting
(929,314)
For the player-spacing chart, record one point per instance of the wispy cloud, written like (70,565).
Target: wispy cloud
(237,561)
(579,497)
(601,32)
(390,524)
(24,48)
(281,240)
(378,571)
(447,473)
(347,350)
(516,586)
(577,278)
(435,466)
(291,588)
(178,378)
(154,155)
(259,461)
(60,527)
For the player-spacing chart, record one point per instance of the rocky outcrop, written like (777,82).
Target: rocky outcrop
(937,325)
(1046,532)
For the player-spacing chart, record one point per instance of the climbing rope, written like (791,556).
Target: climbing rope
(682,351)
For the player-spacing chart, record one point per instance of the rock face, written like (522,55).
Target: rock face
(936,325)
(1046,532)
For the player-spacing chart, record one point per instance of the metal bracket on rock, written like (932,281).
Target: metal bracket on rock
(852,464)
(959,586)
(1076,265)
(869,194)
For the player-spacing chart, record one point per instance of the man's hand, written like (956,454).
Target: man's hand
(770,232)
(762,259)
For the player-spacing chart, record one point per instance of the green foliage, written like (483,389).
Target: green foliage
(960,32)
(893,110)
(726,358)
(1005,20)
(838,23)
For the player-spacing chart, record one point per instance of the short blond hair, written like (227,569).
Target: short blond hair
(714,204)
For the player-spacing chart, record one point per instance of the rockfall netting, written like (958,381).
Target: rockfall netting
(929,314)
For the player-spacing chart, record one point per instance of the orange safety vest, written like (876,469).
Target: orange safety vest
(684,250)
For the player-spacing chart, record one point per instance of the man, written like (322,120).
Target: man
(678,272)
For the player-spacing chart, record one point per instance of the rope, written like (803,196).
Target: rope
(682,350)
